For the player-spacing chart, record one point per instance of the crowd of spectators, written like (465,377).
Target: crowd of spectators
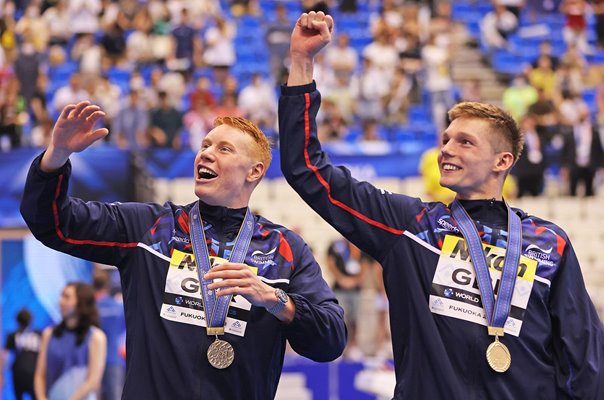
(163,70)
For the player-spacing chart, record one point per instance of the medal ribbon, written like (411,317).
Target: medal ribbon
(496,310)
(216,307)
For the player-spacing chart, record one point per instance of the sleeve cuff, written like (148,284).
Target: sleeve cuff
(49,175)
(301,307)
(298,90)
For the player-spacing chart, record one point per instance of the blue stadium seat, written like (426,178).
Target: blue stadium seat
(466,12)
(507,63)
(590,97)
(596,58)
(63,72)
(419,113)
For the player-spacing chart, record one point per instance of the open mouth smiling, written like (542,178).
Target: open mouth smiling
(204,173)
(450,167)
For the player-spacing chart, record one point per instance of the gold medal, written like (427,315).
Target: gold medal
(221,354)
(498,356)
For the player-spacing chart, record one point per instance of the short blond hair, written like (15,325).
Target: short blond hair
(499,120)
(263,145)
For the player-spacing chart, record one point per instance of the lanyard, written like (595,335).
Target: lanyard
(496,310)
(216,307)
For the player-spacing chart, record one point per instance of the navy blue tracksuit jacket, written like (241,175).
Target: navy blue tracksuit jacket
(166,340)
(439,332)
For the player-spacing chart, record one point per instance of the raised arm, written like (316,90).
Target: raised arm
(311,33)
(72,133)
(369,217)
(96,231)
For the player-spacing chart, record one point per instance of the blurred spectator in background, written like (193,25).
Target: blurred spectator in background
(11,106)
(113,43)
(513,6)
(598,10)
(343,93)
(129,129)
(496,26)
(575,29)
(84,16)
(72,354)
(173,83)
(139,43)
(348,6)
(107,95)
(543,77)
(24,343)
(27,69)
(530,167)
(396,102)
(161,39)
(219,52)
(471,91)
(546,114)
(227,106)
(241,7)
(186,46)
(113,323)
(165,124)
(342,58)
(438,81)
(582,155)
(344,262)
(571,108)
(569,79)
(73,92)
(546,50)
(203,90)
(89,55)
(8,37)
(600,106)
(199,120)
(258,101)
(57,18)
(331,124)
(382,54)
(40,117)
(374,311)
(277,40)
(371,88)
(33,28)
(323,73)
(370,132)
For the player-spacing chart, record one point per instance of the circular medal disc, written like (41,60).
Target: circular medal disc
(220,354)
(498,356)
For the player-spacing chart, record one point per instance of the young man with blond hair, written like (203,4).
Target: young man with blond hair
(539,338)
(258,280)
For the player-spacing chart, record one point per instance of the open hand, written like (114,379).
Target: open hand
(72,133)
(73,130)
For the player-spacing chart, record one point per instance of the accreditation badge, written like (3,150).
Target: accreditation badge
(455,293)
(182,298)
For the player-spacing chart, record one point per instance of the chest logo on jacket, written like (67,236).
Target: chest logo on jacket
(182,296)
(455,291)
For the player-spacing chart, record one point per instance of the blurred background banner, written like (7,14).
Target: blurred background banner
(103,174)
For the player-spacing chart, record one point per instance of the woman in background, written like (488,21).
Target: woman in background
(72,354)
